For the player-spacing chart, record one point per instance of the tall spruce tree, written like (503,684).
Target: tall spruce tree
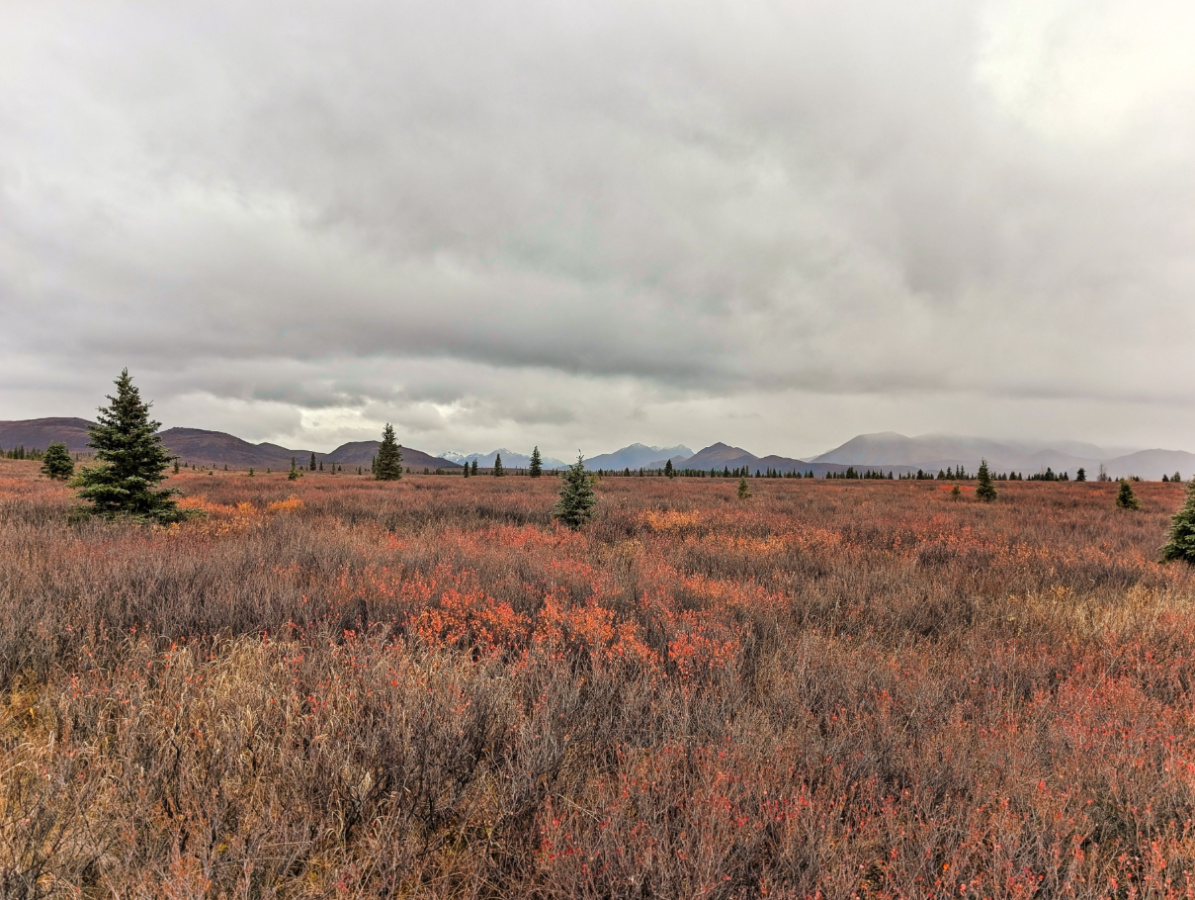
(57,463)
(389,462)
(536,467)
(133,461)
(311,467)
(474,468)
(499,469)
(577,500)
(1182,531)
(985,490)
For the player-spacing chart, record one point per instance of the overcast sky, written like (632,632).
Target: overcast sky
(776,224)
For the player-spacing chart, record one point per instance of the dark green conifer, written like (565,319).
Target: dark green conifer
(744,489)
(57,463)
(132,460)
(312,465)
(499,470)
(294,473)
(1126,499)
(536,467)
(474,472)
(389,462)
(669,469)
(985,490)
(1182,531)
(577,500)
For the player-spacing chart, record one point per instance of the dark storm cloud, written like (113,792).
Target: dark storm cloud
(412,210)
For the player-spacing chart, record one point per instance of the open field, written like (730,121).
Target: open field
(336,687)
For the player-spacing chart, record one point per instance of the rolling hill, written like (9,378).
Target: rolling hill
(207,448)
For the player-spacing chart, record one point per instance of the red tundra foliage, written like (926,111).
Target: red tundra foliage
(342,687)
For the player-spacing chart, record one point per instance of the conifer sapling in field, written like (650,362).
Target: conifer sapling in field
(388,466)
(1182,531)
(577,500)
(1125,498)
(294,474)
(744,489)
(985,490)
(57,463)
(499,469)
(132,460)
(536,467)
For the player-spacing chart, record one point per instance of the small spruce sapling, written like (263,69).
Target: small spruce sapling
(577,500)
(57,463)
(1125,498)
(744,489)
(985,490)
(388,466)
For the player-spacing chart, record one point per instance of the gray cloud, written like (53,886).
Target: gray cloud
(602,221)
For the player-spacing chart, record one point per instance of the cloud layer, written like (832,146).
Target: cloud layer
(572,223)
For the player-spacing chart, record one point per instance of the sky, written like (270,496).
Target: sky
(581,224)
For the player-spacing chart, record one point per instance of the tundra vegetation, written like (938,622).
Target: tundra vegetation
(340,687)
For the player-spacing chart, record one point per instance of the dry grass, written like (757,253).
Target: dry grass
(335,687)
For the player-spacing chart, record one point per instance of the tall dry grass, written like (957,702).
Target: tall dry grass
(337,687)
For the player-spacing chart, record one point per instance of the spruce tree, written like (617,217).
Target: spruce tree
(133,461)
(577,499)
(312,466)
(294,474)
(536,467)
(57,463)
(466,468)
(985,491)
(744,489)
(1182,531)
(389,462)
(669,469)
(1081,475)
(1126,499)
(474,472)
(499,470)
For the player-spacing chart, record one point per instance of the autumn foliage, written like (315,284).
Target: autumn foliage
(339,687)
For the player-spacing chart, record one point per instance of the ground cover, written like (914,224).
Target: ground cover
(340,687)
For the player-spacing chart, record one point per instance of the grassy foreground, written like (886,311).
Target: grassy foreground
(340,688)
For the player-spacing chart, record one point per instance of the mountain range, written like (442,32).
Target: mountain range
(209,448)
(510,459)
(886,451)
